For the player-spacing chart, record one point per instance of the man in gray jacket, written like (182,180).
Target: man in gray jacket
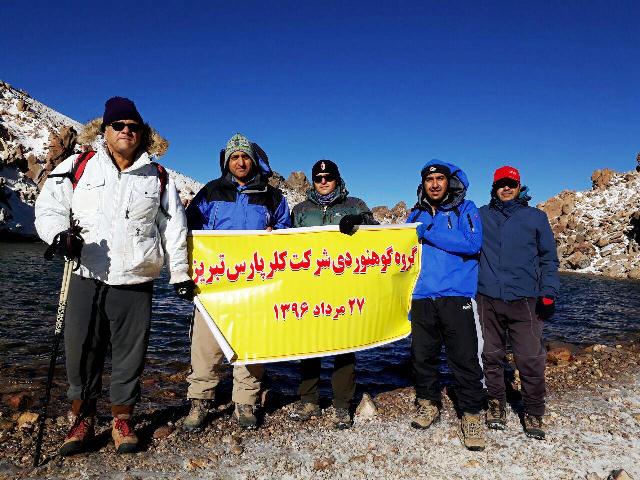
(129,220)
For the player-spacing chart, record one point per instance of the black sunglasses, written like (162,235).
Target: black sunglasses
(507,182)
(133,127)
(318,178)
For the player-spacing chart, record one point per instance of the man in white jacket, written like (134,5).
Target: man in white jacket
(129,222)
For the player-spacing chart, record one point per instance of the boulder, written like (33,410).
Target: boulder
(61,145)
(634,273)
(367,408)
(559,355)
(600,178)
(578,260)
(298,181)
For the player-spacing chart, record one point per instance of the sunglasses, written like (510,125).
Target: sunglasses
(318,178)
(507,182)
(133,127)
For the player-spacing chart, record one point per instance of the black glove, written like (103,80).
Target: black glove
(348,222)
(185,290)
(545,307)
(66,244)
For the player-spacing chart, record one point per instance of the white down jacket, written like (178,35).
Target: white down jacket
(127,235)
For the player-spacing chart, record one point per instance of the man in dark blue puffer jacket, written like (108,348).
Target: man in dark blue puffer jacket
(517,286)
(442,307)
(241,199)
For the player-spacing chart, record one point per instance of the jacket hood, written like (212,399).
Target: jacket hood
(342,193)
(90,134)
(458,184)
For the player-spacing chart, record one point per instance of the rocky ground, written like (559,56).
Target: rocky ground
(593,422)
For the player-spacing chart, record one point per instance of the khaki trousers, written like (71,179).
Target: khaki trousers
(206,358)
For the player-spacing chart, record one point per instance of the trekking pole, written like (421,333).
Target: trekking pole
(62,307)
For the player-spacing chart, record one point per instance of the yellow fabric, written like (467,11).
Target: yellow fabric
(304,292)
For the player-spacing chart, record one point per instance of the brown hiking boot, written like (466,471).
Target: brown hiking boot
(496,415)
(340,417)
(124,435)
(245,416)
(303,411)
(195,421)
(533,426)
(81,433)
(427,413)
(472,432)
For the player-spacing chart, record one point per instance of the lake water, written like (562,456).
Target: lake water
(590,310)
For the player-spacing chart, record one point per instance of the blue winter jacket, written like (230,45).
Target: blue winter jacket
(451,244)
(222,204)
(518,257)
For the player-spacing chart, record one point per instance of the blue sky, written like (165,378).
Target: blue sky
(379,87)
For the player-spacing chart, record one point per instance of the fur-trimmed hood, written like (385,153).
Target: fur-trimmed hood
(92,135)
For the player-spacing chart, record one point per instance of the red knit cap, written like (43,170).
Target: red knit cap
(506,172)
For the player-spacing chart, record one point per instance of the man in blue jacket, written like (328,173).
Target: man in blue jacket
(241,199)
(442,307)
(517,286)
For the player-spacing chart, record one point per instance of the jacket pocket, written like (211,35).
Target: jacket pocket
(146,252)
(86,205)
(144,202)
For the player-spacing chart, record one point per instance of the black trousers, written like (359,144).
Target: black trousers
(452,321)
(343,379)
(517,321)
(99,315)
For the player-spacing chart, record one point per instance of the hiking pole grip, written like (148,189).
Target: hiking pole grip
(62,307)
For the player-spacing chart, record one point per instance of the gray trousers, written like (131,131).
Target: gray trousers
(518,321)
(99,315)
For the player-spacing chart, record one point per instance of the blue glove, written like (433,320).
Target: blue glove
(423,228)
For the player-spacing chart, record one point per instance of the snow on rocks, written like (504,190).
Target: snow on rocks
(598,231)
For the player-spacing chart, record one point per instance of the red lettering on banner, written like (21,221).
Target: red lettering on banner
(303,264)
(199,271)
(279,263)
(299,309)
(339,264)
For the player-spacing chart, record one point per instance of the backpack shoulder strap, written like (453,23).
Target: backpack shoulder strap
(163,176)
(77,169)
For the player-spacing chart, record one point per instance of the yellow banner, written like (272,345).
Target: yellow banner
(304,292)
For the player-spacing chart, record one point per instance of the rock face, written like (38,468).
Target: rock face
(598,231)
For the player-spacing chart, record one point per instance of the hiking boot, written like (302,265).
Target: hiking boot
(194,422)
(124,435)
(427,413)
(533,426)
(496,415)
(303,411)
(340,417)
(472,431)
(81,433)
(245,416)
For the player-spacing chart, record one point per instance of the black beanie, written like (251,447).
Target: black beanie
(325,166)
(435,168)
(119,108)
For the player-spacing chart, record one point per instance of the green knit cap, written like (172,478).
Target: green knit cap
(238,143)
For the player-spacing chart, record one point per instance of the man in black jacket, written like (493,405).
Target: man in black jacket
(517,287)
(328,203)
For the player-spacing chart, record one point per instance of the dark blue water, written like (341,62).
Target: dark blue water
(590,310)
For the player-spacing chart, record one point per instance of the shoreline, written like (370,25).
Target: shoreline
(592,421)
